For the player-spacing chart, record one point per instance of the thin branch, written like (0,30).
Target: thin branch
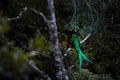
(24,10)
(103,3)
(73,75)
(85,38)
(68,50)
(42,73)
(24,46)
(74,5)
(70,70)
(19,15)
(106,47)
(88,5)
(115,25)
(73,16)
(91,10)
(38,12)
(70,67)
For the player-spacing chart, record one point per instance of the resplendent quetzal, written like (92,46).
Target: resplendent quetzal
(76,42)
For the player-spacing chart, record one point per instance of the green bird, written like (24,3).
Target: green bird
(76,42)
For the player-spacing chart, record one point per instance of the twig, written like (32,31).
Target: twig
(74,5)
(106,47)
(115,25)
(42,74)
(91,10)
(88,5)
(24,46)
(69,69)
(24,10)
(74,78)
(103,3)
(85,38)
(19,15)
(38,12)
(68,50)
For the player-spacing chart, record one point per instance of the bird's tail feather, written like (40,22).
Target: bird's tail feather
(82,56)
(80,59)
(85,57)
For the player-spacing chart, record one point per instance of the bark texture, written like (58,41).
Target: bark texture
(59,68)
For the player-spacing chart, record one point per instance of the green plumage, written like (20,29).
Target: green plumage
(76,42)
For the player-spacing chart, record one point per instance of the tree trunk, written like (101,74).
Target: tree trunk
(60,70)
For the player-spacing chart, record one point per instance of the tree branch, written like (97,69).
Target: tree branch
(85,38)
(72,74)
(106,47)
(42,74)
(67,51)
(74,5)
(88,5)
(103,3)
(91,10)
(24,10)
(38,12)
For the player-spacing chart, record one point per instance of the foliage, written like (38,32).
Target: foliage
(39,43)
(13,60)
(90,76)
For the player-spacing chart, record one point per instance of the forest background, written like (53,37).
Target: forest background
(25,47)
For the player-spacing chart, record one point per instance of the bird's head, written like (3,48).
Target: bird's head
(74,35)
